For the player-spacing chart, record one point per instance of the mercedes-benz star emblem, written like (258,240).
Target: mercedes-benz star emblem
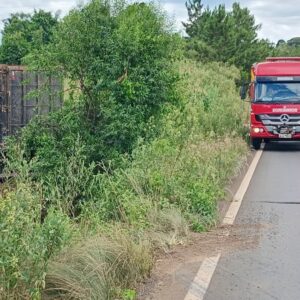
(284,118)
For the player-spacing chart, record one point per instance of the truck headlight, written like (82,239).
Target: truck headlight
(258,130)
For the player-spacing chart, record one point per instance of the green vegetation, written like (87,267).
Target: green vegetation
(23,33)
(168,184)
(138,156)
(288,48)
(123,78)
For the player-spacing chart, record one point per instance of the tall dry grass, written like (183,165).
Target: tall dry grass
(102,266)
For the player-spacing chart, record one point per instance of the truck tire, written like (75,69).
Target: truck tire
(255,143)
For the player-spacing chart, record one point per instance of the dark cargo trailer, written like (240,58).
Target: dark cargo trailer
(18,101)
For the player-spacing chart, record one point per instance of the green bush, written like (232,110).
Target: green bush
(27,244)
(119,57)
(197,151)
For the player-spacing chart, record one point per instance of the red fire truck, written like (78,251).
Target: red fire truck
(275,100)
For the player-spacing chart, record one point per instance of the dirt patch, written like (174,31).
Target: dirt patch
(174,271)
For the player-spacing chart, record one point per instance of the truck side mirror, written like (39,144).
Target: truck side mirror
(251,91)
(243,91)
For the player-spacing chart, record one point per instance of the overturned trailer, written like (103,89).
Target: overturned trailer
(24,94)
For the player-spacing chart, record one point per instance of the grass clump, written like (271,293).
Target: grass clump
(94,268)
(106,264)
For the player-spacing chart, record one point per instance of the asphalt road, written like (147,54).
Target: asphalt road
(270,214)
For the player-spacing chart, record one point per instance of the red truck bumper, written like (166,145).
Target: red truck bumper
(264,134)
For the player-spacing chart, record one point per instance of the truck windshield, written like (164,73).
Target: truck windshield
(277,92)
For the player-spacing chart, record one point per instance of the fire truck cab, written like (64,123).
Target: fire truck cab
(274,93)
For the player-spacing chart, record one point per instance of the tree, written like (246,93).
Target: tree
(294,42)
(118,59)
(227,36)
(289,48)
(23,33)
(280,43)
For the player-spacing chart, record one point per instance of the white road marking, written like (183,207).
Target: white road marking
(202,280)
(205,273)
(239,196)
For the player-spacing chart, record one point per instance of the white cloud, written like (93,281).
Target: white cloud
(27,6)
(280,20)
(177,13)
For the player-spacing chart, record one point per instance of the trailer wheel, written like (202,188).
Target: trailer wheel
(255,143)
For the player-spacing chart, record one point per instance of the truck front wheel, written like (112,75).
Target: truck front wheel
(255,143)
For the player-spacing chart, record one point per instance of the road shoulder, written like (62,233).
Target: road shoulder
(174,271)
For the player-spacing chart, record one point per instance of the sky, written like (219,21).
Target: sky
(279,19)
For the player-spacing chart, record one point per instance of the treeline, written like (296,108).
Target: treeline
(216,34)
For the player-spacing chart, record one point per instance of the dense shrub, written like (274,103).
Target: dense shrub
(119,58)
(198,149)
(27,244)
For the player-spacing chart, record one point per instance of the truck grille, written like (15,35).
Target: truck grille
(277,123)
(283,119)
